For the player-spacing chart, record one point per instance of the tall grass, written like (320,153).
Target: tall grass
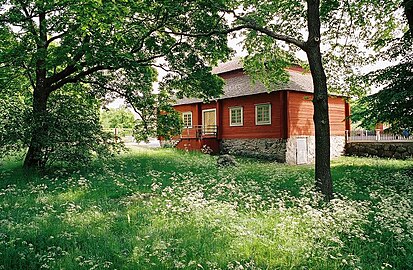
(164,209)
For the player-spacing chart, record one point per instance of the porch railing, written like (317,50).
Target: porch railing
(200,131)
(376,135)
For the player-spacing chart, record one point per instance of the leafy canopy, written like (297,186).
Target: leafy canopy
(113,46)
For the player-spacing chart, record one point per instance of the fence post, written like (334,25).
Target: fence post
(377,134)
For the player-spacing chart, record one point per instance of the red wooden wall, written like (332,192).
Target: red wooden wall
(291,114)
(300,114)
(249,128)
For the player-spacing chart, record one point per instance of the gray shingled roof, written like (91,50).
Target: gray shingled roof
(234,64)
(243,85)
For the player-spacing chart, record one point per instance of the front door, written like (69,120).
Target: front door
(209,121)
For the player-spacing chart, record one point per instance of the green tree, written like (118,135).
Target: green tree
(120,117)
(393,103)
(158,119)
(55,43)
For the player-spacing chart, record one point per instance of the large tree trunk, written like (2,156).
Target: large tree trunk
(321,120)
(35,155)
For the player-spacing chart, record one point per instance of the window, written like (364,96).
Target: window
(236,116)
(187,119)
(263,114)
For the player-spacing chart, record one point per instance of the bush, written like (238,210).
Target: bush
(14,128)
(75,134)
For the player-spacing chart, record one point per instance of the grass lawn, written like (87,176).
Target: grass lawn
(164,209)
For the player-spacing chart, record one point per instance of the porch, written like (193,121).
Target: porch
(200,132)
(200,138)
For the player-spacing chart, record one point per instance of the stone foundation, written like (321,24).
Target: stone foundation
(269,149)
(398,150)
(337,145)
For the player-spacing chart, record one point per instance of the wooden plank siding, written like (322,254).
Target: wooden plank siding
(300,112)
(294,108)
(194,108)
(190,108)
(249,129)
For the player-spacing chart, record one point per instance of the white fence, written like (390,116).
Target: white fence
(376,135)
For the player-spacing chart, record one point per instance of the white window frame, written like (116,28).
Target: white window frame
(183,118)
(230,116)
(256,114)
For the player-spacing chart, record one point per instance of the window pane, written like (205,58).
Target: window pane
(263,114)
(236,116)
(187,119)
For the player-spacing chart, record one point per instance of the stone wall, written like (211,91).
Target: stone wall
(337,144)
(399,150)
(269,149)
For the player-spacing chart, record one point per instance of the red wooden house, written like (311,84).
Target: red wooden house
(248,120)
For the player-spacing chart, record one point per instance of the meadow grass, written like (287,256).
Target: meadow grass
(166,209)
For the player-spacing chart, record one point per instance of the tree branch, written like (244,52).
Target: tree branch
(122,94)
(158,26)
(149,59)
(214,32)
(70,69)
(254,26)
(29,17)
(29,76)
(247,24)
(75,78)
(50,40)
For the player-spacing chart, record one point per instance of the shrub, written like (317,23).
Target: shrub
(75,134)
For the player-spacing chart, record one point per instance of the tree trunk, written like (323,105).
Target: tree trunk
(323,179)
(35,156)
(408,11)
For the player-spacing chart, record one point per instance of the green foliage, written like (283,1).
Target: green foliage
(351,32)
(358,115)
(393,103)
(86,37)
(163,209)
(113,46)
(117,118)
(158,119)
(13,124)
(169,124)
(14,111)
(74,133)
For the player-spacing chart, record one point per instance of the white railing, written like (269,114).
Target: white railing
(360,135)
